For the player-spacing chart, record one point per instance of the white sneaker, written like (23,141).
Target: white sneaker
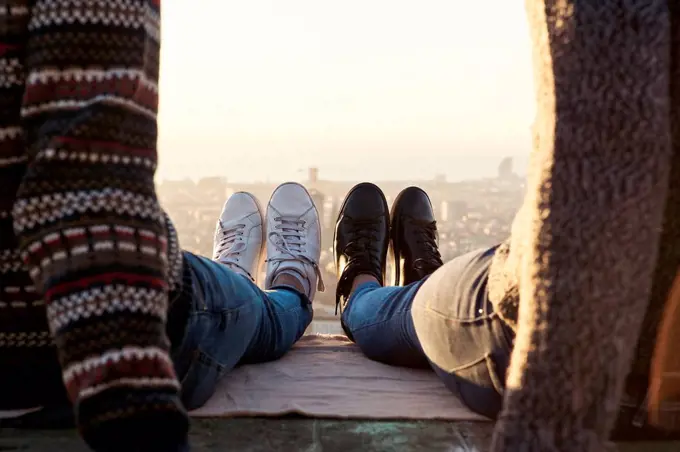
(294,238)
(239,235)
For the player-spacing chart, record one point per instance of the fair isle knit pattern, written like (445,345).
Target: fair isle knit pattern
(82,236)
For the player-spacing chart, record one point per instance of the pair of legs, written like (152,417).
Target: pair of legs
(220,317)
(441,317)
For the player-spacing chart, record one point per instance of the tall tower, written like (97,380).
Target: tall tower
(313,175)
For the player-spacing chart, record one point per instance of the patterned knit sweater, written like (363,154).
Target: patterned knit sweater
(83,241)
(583,261)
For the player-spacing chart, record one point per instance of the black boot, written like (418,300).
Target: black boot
(361,239)
(414,237)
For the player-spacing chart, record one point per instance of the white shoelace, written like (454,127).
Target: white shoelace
(230,246)
(289,242)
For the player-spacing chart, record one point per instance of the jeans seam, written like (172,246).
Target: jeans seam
(377,323)
(487,360)
(467,365)
(490,316)
(495,379)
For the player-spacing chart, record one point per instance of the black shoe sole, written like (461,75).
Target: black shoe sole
(395,249)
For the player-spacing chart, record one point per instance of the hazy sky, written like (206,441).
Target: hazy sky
(364,89)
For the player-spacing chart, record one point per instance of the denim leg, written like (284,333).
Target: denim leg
(467,343)
(286,316)
(379,320)
(231,320)
(446,322)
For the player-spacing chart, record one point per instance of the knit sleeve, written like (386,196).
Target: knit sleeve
(90,226)
(588,232)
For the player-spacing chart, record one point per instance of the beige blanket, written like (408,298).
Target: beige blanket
(327,376)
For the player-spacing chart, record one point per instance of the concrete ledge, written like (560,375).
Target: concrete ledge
(308,435)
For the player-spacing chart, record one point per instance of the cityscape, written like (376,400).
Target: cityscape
(470,214)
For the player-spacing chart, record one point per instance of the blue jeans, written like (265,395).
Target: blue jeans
(445,321)
(231,321)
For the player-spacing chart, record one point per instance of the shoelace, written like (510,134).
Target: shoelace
(289,242)
(362,248)
(363,243)
(230,246)
(432,259)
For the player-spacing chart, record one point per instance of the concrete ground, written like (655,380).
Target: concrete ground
(308,435)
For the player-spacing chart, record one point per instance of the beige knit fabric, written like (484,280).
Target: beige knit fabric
(581,260)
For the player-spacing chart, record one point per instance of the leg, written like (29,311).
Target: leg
(379,320)
(287,314)
(221,318)
(232,321)
(467,343)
